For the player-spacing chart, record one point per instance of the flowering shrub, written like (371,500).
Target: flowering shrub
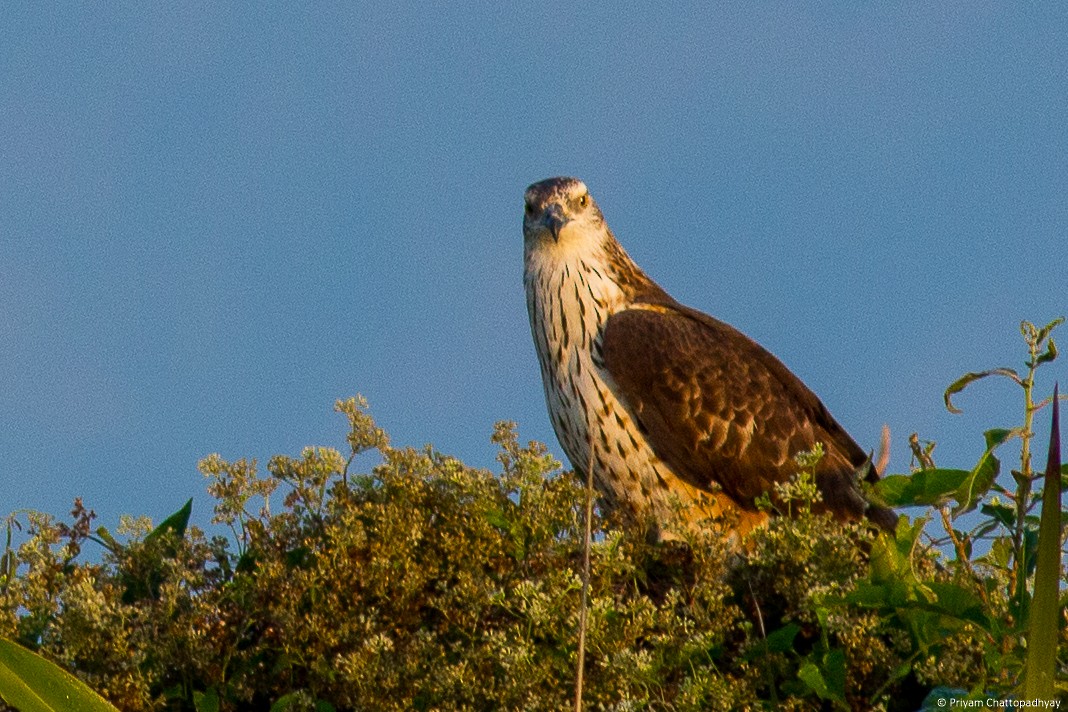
(425,584)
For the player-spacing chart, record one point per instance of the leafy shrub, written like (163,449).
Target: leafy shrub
(425,584)
(988,591)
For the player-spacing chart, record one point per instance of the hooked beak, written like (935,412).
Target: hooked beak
(554,220)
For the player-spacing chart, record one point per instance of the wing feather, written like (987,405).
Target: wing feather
(720,409)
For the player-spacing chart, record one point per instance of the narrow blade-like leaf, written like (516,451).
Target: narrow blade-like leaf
(176,523)
(962,382)
(1045,608)
(1050,353)
(1045,330)
(982,476)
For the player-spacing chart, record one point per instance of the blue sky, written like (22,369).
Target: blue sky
(215,221)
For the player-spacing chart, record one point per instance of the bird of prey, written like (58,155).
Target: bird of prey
(684,413)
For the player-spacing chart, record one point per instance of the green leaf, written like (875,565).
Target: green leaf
(935,487)
(921,488)
(934,606)
(828,684)
(998,436)
(109,542)
(148,584)
(298,700)
(1044,629)
(890,595)
(1030,550)
(811,676)
(31,683)
(1050,353)
(1045,330)
(8,566)
(778,641)
(834,673)
(870,595)
(206,701)
(1000,553)
(891,559)
(959,603)
(961,383)
(1004,514)
(287,702)
(982,476)
(175,523)
(782,639)
(497,518)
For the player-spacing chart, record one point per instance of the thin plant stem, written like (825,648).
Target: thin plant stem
(1025,477)
(587,540)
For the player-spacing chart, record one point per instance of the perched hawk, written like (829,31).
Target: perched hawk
(684,412)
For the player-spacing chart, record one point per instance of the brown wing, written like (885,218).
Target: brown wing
(718,407)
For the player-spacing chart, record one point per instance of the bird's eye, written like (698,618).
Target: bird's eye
(528,208)
(584,200)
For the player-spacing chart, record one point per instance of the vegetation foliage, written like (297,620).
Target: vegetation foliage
(422,583)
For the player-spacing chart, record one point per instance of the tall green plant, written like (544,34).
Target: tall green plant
(992,588)
(1045,611)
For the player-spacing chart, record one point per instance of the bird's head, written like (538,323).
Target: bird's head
(560,211)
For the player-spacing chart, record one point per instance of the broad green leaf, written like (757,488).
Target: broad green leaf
(921,488)
(958,602)
(869,595)
(206,701)
(1045,609)
(31,683)
(811,676)
(782,639)
(938,486)
(778,641)
(890,595)
(961,383)
(893,585)
(829,684)
(1000,553)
